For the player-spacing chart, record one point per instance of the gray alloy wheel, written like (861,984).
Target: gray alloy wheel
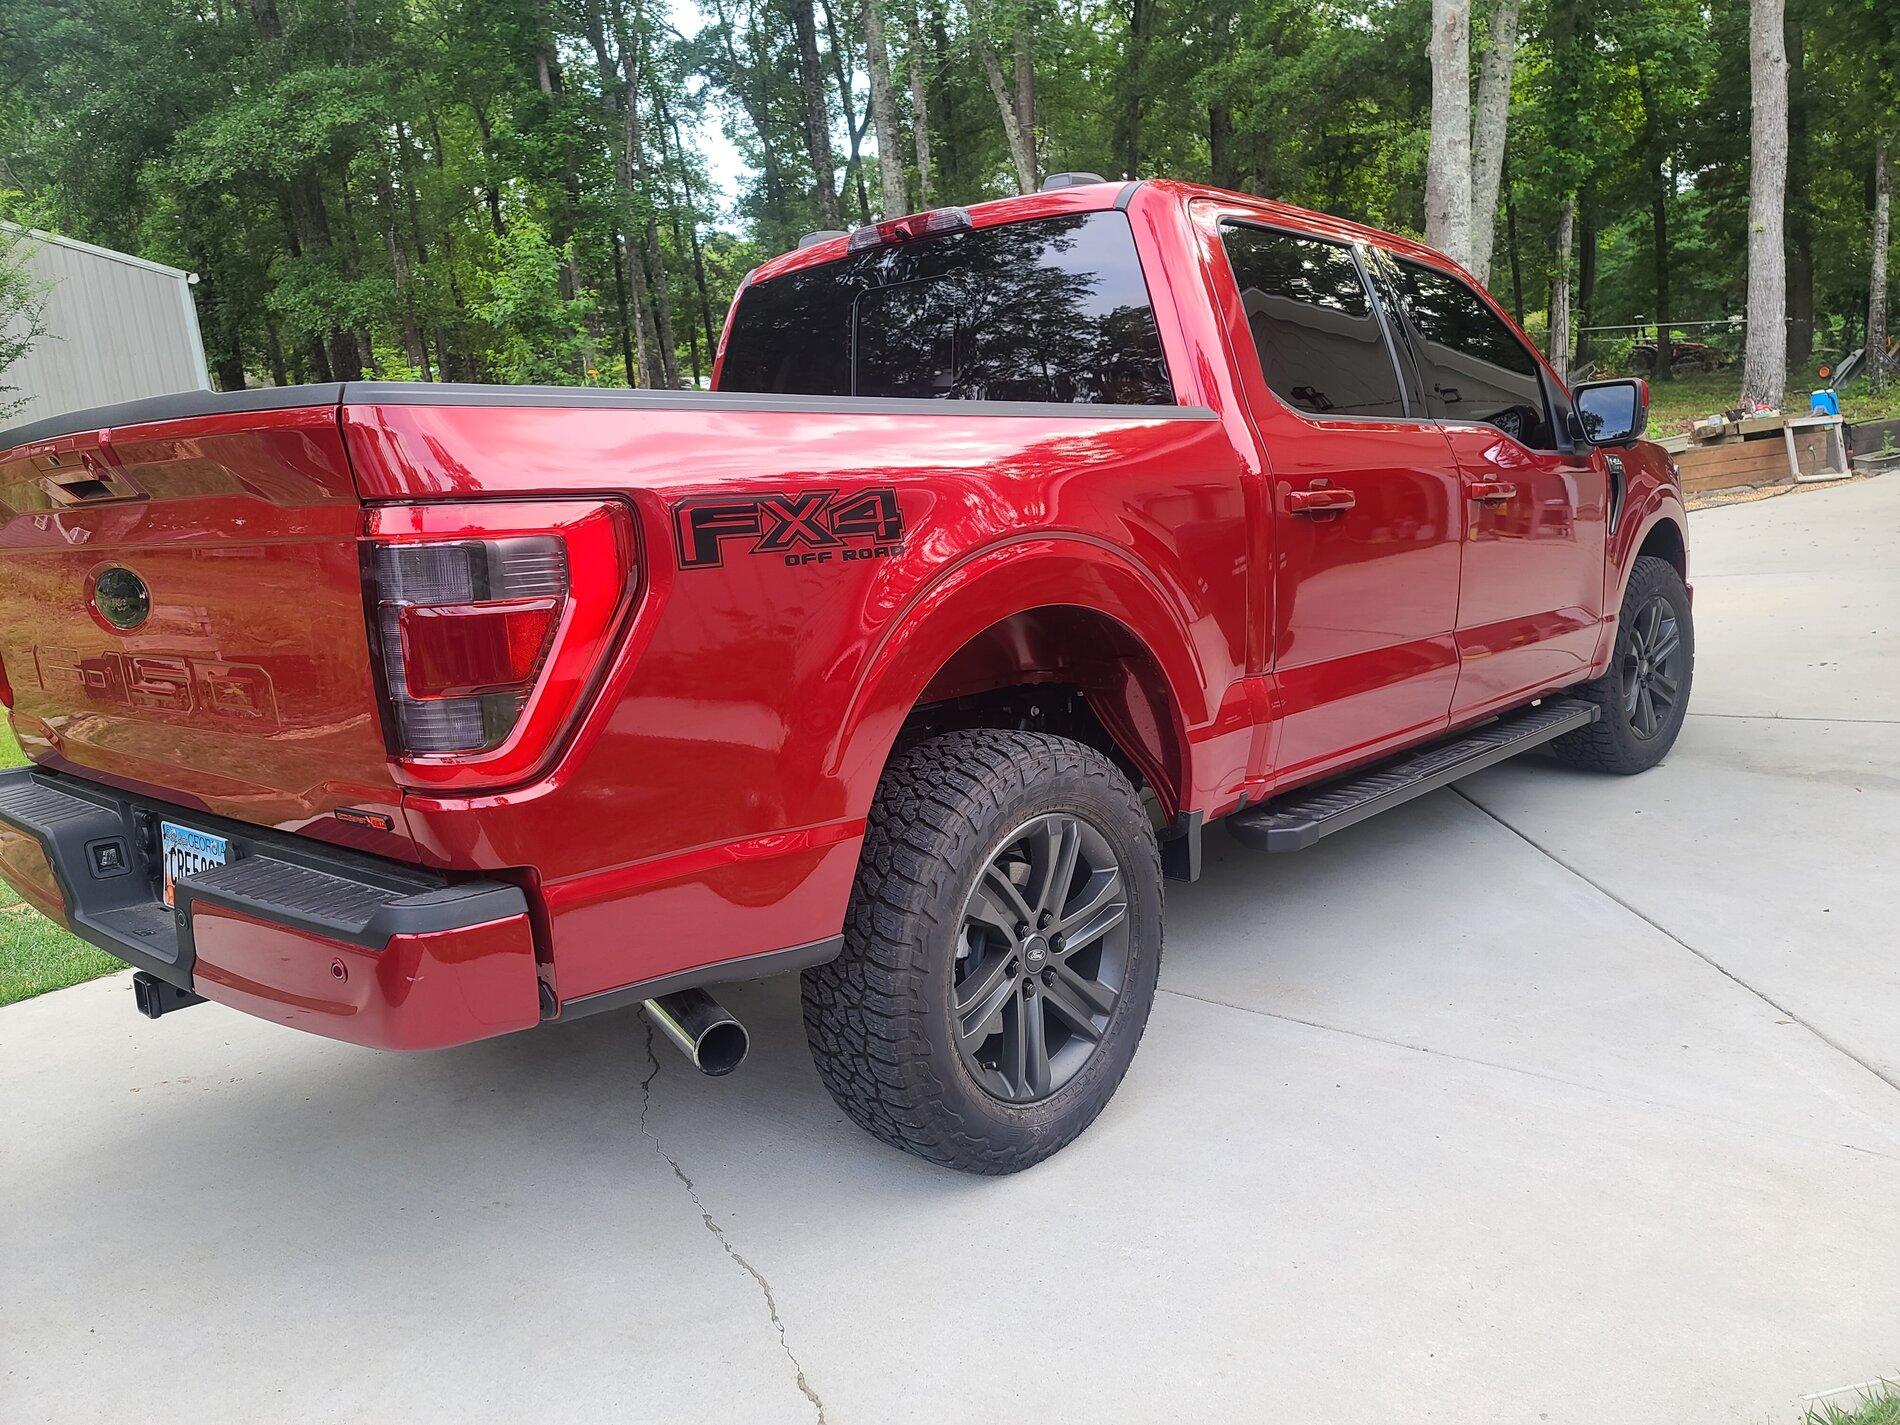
(1644,694)
(1652,667)
(1001,950)
(1042,954)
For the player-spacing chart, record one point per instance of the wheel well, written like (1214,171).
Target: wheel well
(1664,541)
(1071,672)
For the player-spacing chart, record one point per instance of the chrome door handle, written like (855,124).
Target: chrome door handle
(1323,501)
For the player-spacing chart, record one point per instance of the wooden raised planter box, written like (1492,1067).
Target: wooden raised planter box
(1771,450)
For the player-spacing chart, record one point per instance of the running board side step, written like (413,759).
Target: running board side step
(1297,820)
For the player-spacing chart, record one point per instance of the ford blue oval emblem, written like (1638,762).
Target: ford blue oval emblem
(121,597)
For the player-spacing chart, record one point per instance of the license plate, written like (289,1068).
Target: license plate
(187,852)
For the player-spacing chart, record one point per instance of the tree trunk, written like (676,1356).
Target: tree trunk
(748,82)
(313,237)
(547,71)
(1877,276)
(1133,77)
(1586,276)
(1448,161)
(1023,42)
(890,168)
(692,228)
(491,194)
(630,39)
(412,347)
(1655,156)
(1800,206)
(1765,358)
(920,110)
(310,225)
(854,128)
(948,136)
(1488,126)
(1558,347)
(629,362)
(274,354)
(1510,237)
(615,103)
(811,84)
(1022,152)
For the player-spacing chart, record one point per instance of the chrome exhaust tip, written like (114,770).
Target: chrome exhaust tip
(702,1029)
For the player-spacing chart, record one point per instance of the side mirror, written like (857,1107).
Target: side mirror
(1611,412)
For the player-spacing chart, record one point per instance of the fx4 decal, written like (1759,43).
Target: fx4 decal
(805,527)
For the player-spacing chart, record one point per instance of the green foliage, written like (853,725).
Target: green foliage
(1879,1406)
(20,304)
(435,188)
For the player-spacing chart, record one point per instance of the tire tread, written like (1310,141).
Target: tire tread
(865,1010)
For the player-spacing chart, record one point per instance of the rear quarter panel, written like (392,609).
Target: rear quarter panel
(712,800)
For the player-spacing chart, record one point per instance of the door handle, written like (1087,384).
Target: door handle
(1491,492)
(1322,501)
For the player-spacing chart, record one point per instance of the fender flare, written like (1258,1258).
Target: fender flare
(1661,505)
(1001,580)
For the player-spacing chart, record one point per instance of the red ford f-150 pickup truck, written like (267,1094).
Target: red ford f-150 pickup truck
(1015,545)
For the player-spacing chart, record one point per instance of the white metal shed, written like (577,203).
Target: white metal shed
(118,328)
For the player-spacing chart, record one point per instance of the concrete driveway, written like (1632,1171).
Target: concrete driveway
(1550,1098)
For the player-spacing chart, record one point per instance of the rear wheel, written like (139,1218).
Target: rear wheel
(1001,951)
(1645,694)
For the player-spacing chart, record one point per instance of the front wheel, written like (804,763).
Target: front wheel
(1645,694)
(1001,951)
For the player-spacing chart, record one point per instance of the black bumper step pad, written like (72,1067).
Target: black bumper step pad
(273,876)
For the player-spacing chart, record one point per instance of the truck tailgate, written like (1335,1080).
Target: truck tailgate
(181,614)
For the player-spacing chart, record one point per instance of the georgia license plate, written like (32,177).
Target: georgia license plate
(186,852)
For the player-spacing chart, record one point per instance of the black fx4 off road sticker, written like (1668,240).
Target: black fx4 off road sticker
(807,527)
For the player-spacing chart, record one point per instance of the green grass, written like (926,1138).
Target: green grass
(1675,403)
(1881,1407)
(36,955)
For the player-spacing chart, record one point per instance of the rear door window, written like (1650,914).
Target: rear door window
(1050,310)
(1321,346)
(1475,367)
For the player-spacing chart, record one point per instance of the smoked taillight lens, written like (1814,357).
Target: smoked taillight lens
(455,683)
(490,621)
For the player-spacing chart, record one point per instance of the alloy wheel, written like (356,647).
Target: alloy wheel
(1042,955)
(1652,667)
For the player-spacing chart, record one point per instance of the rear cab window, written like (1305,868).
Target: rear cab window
(1054,309)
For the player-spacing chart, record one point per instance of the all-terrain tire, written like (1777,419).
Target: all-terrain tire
(880,1018)
(1614,742)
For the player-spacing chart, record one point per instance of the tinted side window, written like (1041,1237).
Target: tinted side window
(1476,370)
(1321,347)
(1051,310)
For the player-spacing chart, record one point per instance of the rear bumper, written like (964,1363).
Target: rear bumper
(338,943)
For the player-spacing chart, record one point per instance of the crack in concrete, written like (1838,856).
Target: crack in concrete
(718,1232)
(1662,929)
(1543,1075)
(1799,717)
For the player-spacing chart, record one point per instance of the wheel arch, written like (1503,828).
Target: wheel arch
(1664,538)
(1006,637)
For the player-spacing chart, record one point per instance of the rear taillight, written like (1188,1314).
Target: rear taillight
(6,688)
(490,622)
(458,674)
